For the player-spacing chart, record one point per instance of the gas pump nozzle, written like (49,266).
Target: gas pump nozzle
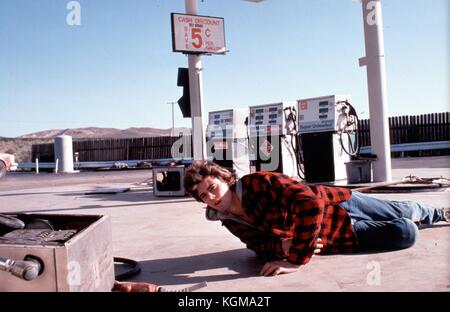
(28,269)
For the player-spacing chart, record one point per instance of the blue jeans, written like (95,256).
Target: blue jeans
(387,225)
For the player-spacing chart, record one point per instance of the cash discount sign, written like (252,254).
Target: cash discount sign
(198,34)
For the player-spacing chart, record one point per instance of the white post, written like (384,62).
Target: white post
(173,118)
(63,154)
(196,95)
(56,166)
(376,84)
(37,165)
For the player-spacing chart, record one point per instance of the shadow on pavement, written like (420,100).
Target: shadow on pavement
(133,195)
(225,265)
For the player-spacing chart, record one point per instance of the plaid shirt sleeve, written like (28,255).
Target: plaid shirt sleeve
(307,216)
(262,243)
(308,207)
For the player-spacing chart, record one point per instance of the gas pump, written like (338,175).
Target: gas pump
(327,129)
(227,141)
(272,138)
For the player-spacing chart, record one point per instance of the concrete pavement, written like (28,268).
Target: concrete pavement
(177,247)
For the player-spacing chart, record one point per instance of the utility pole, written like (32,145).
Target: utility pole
(173,118)
(196,95)
(376,85)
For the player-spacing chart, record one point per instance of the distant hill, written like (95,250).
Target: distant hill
(94,132)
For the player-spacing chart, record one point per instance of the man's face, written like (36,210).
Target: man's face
(215,193)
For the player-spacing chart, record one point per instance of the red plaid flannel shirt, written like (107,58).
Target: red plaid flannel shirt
(280,207)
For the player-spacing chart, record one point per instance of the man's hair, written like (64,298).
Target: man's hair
(199,170)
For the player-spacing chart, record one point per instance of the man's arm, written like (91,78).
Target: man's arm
(307,216)
(269,247)
(264,244)
(277,267)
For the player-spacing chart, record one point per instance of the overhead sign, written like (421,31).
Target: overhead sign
(198,34)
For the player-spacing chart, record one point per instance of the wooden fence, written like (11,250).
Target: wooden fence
(403,129)
(412,129)
(120,149)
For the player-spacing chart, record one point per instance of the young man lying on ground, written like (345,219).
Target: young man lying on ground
(286,221)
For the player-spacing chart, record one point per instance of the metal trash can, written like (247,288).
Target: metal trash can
(359,171)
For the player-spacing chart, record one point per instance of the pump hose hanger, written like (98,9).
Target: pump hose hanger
(347,128)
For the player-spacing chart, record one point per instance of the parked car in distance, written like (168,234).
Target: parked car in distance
(7,163)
